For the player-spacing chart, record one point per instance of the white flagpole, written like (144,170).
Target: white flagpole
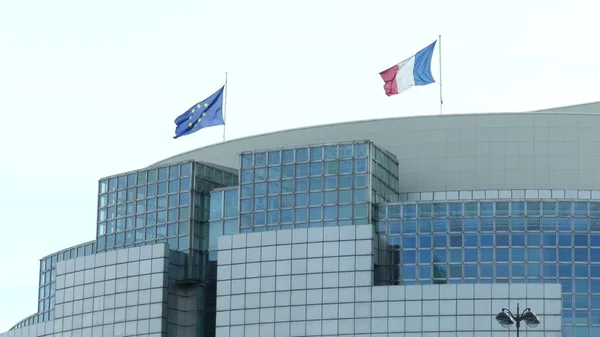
(224,107)
(440,51)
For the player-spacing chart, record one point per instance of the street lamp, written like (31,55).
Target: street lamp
(507,318)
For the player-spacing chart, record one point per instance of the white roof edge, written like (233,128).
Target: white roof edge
(557,110)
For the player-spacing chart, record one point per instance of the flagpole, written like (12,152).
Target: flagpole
(440,51)
(224,107)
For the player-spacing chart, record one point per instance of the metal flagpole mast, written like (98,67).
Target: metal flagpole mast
(225,107)
(440,51)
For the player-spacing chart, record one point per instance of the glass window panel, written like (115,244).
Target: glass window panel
(301,170)
(174,172)
(172,214)
(247,160)
(331,152)
(345,151)
(260,189)
(287,156)
(549,208)
(186,169)
(247,176)
(316,153)
(183,242)
(425,210)
(502,208)
(184,213)
(260,174)
(361,195)
(331,167)
(245,206)
(345,196)
(517,208)
(345,166)
(151,190)
(345,181)
(564,208)
(316,183)
(122,181)
(121,197)
(287,171)
(361,181)
(455,209)
(471,209)
(274,173)
(260,159)
(274,157)
(302,154)
(533,208)
(409,211)
(163,174)
(361,150)
(486,208)
(231,226)
(360,165)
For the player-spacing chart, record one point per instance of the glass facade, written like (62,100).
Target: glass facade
(443,237)
(155,205)
(166,204)
(47,281)
(542,241)
(314,186)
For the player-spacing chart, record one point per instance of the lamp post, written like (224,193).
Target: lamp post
(506,318)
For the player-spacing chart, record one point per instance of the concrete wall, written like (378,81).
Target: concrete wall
(318,282)
(457,152)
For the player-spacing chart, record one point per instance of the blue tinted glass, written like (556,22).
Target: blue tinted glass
(287,171)
(247,176)
(301,199)
(274,173)
(564,208)
(287,156)
(409,211)
(260,159)
(533,208)
(456,209)
(487,240)
(345,151)
(360,165)
(301,170)
(345,166)
(247,160)
(517,208)
(487,255)
(425,210)
(425,226)
(471,255)
(361,181)
(331,152)
(316,153)
(260,174)
(316,169)
(486,208)
(345,181)
(274,157)
(174,186)
(302,154)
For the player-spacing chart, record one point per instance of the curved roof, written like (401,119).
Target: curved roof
(545,149)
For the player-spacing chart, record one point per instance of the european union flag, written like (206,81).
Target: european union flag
(206,113)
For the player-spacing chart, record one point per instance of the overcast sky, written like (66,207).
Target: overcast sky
(91,88)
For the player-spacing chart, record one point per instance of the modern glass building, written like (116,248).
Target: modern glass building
(486,207)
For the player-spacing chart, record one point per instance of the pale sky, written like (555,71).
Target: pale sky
(91,88)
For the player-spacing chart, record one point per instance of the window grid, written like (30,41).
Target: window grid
(533,241)
(155,205)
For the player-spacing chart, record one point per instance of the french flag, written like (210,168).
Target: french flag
(415,70)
